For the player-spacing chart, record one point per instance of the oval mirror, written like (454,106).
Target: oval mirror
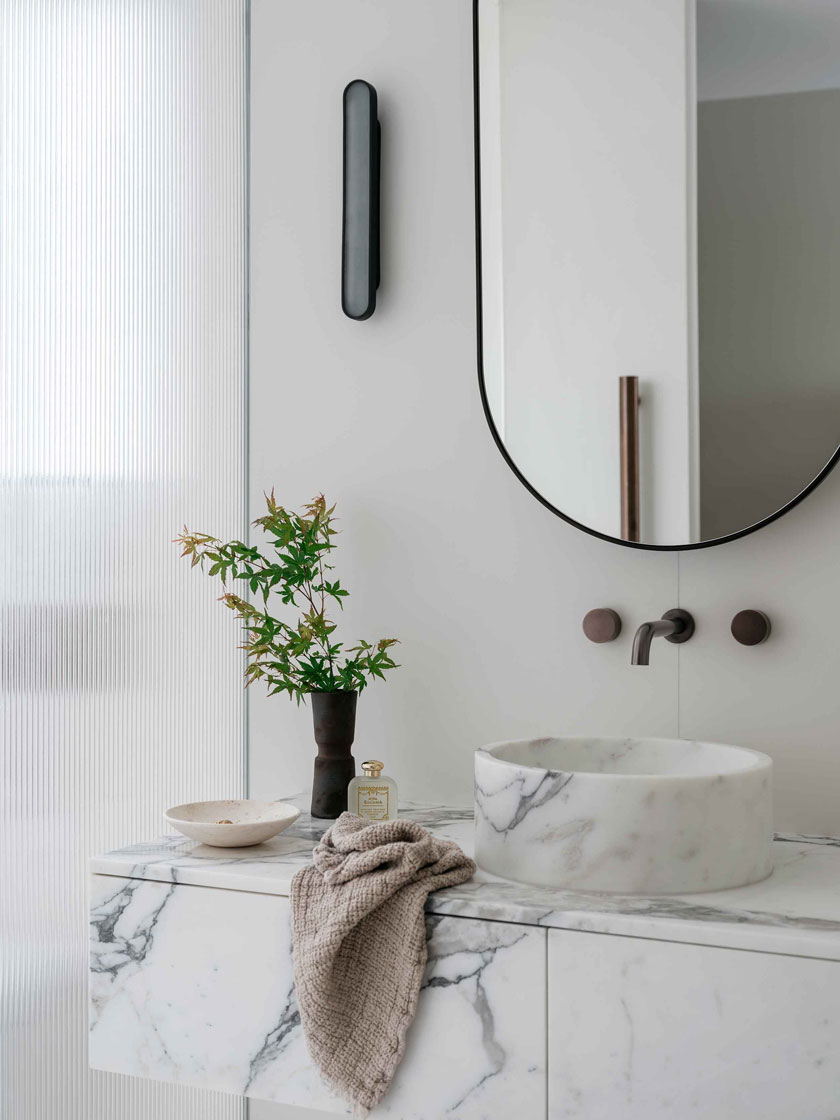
(658,195)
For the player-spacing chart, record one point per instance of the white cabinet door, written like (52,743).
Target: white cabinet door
(195,985)
(645,1029)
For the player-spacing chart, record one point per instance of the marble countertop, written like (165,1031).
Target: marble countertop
(796,911)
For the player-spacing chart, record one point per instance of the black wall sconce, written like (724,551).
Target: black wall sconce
(360,215)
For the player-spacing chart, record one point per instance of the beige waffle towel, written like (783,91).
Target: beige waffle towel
(360,946)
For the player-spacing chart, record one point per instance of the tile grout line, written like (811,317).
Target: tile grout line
(245,1111)
(546,1006)
(679,656)
(246,394)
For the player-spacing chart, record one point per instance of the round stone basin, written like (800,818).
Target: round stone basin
(633,816)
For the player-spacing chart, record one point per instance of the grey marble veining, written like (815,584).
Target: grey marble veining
(197,987)
(636,816)
(796,910)
(116,952)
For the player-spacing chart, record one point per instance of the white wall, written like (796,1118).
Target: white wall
(442,547)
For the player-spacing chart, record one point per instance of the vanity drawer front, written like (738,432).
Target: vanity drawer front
(642,1029)
(191,984)
(195,985)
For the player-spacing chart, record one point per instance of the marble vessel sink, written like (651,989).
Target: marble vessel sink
(635,816)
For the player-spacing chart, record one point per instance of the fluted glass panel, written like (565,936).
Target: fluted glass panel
(122,386)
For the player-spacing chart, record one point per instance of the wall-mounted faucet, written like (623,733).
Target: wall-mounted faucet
(675,626)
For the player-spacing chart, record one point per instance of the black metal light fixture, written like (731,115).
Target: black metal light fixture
(360,216)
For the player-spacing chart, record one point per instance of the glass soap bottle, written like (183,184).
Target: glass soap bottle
(374,795)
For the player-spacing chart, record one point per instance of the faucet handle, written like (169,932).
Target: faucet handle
(750,628)
(602,625)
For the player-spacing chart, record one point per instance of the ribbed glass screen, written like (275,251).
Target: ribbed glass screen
(122,388)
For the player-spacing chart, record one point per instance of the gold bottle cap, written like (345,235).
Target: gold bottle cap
(372,768)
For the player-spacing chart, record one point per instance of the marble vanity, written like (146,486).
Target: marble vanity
(537,1002)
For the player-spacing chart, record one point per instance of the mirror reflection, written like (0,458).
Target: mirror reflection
(660,245)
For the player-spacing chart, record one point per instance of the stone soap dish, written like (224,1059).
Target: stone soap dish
(232,824)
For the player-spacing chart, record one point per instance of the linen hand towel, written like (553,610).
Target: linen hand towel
(359,943)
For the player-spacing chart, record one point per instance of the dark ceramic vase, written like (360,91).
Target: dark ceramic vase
(334,717)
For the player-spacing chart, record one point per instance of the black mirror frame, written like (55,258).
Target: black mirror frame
(823,474)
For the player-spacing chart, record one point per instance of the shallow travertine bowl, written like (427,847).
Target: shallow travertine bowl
(635,816)
(252,822)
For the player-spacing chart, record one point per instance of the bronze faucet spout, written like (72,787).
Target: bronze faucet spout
(675,626)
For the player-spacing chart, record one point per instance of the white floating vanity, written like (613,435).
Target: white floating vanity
(537,1002)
